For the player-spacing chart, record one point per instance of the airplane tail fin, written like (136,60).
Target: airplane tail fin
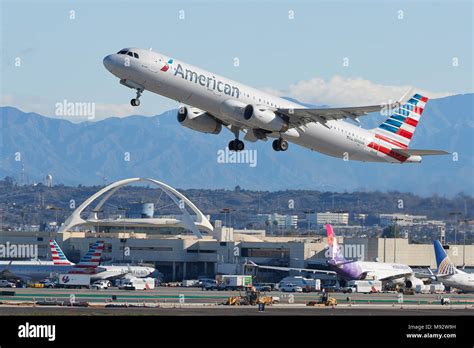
(335,252)
(57,254)
(445,266)
(399,128)
(91,260)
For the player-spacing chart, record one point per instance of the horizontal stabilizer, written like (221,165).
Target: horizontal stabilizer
(413,152)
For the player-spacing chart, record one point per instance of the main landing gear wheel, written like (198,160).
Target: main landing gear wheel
(136,101)
(280,145)
(236,145)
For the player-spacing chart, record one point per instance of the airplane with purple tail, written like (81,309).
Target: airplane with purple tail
(354,269)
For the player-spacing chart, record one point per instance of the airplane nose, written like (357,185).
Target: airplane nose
(108,62)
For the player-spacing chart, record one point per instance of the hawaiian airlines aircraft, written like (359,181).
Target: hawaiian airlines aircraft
(449,274)
(211,101)
(357,270)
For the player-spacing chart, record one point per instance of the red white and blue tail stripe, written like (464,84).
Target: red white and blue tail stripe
(91,260)
(57,254)
(399,128)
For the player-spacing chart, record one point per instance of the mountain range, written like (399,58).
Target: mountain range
(89,153)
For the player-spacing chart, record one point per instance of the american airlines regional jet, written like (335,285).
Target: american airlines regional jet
(211,101)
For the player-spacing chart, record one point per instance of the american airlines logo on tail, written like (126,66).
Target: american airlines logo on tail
(400,126)
(57,254)
(91,260)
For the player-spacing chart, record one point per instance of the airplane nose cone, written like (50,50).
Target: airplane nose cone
(108,62)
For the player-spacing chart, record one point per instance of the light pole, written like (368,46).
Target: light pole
(308,217)
(465,222)
(55,209)
(395,227)
(97,211)
(455,214)
(227,211)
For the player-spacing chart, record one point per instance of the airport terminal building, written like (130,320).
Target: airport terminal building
(188,246)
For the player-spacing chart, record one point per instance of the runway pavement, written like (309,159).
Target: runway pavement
(278,310)
(194,301)
(196,295)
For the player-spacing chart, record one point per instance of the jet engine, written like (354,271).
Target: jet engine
(263,118)
(198,120)
(412,282)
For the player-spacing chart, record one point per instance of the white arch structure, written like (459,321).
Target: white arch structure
(201,223)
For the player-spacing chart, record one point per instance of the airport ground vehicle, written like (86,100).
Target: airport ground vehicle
(101,284)
(251,297)
(49,283)
(36,285)
(190,283)
(209,284)
(139,284)
(307,284)
(437,288)
(324,299)
(233,282)
(72,280)
(7,284)
(363,286)
(290,287)
(263,287)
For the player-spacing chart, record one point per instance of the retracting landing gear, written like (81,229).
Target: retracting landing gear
(280,145)
(136,101)
(236,145)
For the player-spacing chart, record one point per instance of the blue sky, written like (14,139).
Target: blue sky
(61,58)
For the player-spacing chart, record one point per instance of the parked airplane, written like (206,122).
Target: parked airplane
(40,270)
(448,274)
(211,101)
(103,271)
(358,270)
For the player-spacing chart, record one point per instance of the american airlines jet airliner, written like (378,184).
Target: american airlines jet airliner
(211,101)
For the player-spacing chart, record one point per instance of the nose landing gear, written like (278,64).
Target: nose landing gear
(136,101)
(280,145)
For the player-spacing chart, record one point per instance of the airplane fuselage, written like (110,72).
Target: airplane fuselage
(46,269)
(358,270)
(461,281)
(222,97)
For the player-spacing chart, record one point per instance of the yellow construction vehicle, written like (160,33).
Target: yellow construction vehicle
(323,299)
(251,297)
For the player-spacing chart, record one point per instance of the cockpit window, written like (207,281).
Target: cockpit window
(135,55)
(122,52)
(130,54)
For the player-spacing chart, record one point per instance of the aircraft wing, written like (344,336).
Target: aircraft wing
(393,277)
(253,264)
(300,117)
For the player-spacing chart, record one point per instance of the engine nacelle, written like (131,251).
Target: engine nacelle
(412,282)
(260,117)
(198,120)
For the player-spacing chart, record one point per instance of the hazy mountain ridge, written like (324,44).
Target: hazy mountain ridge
(158,147)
